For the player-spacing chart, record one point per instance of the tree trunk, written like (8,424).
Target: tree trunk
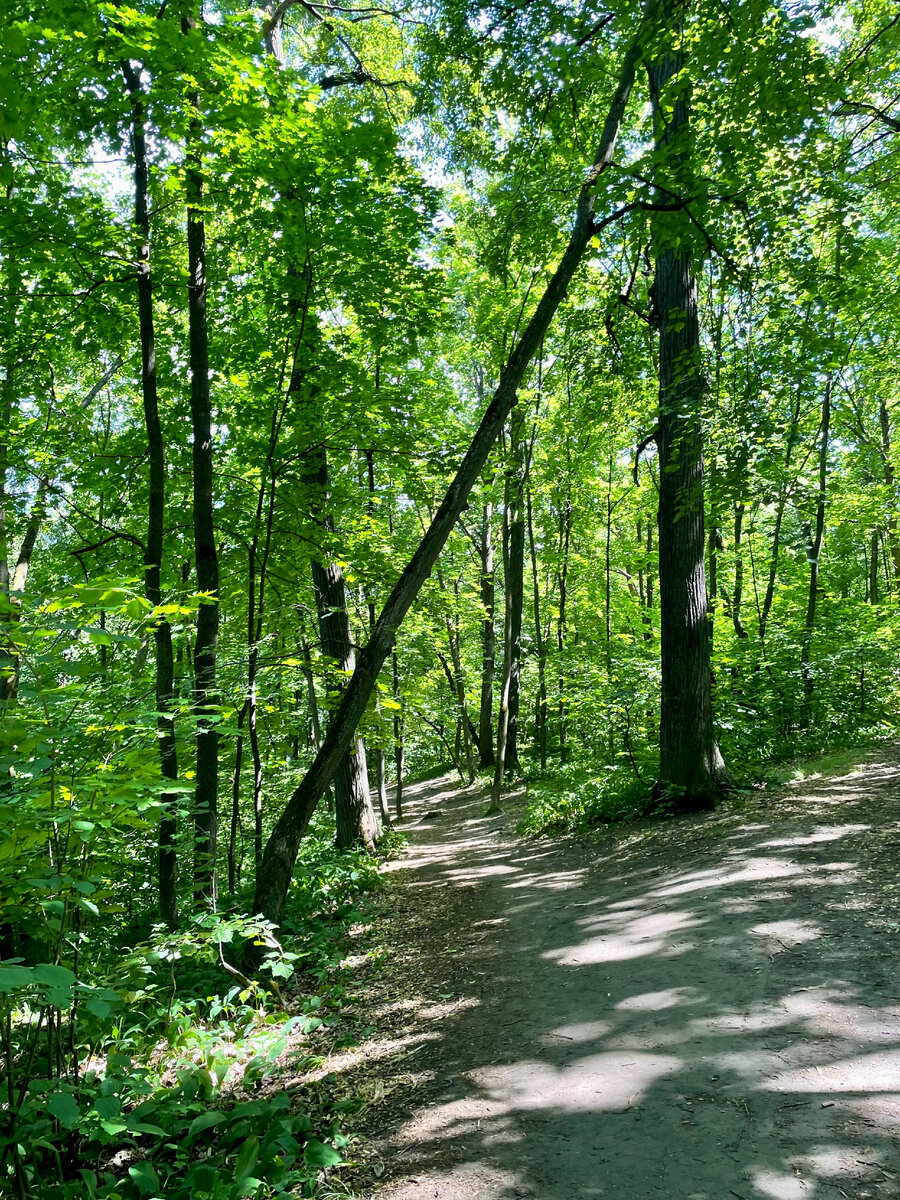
(515,582)
(565,537)
(873,593)
(399,756)
(156,507)
(739,628)
(234,859)
(892,535)
(380,768)
(540,723)
(779,515)
(691,770)
(205,696)
(488,639)
(281,849)
(355,818)
(814,554)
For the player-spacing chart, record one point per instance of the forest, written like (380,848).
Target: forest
(503,388)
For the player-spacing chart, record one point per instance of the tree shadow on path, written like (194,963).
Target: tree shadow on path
(705,1009)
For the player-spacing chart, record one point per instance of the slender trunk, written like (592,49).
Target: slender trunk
(814,554)
(562,704)
(540,726)
(893,539)
(205,696)
(515,583)
(380,768)
(234,860)
(503,713)
(488,639)
(739,628)
(399,756)
(691,771)
(607,593)
(874,596)
(779,516)
(281,848)
(458,687)
(311,698)
(156,507)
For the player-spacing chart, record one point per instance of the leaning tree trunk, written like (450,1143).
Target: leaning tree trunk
(156,506)
(281,849)
(691,771)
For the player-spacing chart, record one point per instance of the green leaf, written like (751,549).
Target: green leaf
(246,1159)
(205,1121)
(320,1154)
(62,1106)
(145,1177)
(15,977)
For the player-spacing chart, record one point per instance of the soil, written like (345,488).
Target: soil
(696,1009)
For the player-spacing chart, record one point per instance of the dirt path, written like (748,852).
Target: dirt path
(698,1010)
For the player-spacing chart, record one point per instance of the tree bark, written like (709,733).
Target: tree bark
(488,639)
(892,535)
(205,695)
(281,848)
(691,771)
(814,554)
(515,581)
(540,730)
(156,509)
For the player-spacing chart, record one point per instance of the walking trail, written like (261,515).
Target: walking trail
(697,1009)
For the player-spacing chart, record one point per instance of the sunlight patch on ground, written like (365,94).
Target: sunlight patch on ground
(775,1185)
(613,1081)
(878,1072)
(784,935)
(584,1031)
(640,937)
(832,834)
(658,1001)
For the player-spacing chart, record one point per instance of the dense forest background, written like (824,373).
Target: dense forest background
(547,352)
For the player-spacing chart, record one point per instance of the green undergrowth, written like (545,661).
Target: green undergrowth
(580,797)
(160,1078)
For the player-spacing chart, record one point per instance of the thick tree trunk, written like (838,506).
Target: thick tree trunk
(691,772)
(156,507)
(281,848)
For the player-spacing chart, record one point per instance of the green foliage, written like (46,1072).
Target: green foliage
(574,799)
